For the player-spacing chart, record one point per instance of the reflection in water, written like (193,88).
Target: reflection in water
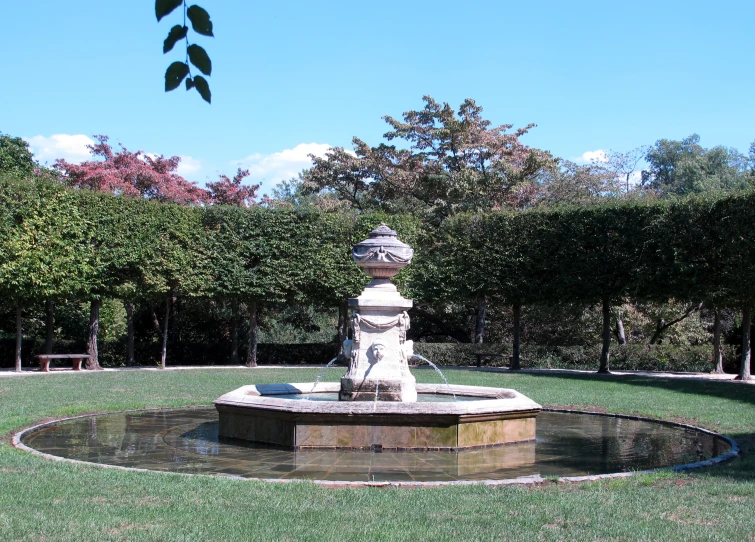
(187,441)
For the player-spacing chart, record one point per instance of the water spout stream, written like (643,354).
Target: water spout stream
(437,370)
(319,377)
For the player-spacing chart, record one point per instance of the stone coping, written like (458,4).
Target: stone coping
(263,396)
(524,480)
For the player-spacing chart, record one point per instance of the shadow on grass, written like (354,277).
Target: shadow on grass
(735,391)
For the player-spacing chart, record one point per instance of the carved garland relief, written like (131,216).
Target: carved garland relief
(401,321)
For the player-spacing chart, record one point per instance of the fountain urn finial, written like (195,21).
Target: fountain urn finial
(381,255)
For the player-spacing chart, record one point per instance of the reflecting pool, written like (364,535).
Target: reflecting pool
(186,441)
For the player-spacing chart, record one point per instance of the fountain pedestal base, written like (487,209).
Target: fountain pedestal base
(267,414)
(379,351)
(377,390)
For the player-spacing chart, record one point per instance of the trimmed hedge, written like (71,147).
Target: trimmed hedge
(694,248)
(631,357)
(113,354)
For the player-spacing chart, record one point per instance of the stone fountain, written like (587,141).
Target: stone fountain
(376,406)
(379,351)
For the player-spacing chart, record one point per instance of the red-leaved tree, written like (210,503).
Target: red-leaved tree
(227,191)
(133,174)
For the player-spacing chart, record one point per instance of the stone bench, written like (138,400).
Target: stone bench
(76,359)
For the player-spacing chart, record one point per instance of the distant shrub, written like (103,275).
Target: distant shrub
(113,354)
(629,357)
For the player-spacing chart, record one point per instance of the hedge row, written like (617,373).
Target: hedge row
(113,354)
(59,242)
(696,248)
(54,241)
(629,357)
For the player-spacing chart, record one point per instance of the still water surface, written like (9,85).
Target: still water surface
(186,440)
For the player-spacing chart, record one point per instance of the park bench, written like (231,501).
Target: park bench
(76,359)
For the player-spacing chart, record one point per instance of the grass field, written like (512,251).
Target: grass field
(42,499)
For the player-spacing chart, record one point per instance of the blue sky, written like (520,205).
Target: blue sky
(297,77)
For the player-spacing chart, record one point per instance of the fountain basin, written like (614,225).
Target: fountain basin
(487,417)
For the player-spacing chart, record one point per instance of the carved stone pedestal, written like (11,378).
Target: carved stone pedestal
(379,351)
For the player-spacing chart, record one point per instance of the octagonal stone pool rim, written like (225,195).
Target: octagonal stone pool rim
(733,452)
(265,413)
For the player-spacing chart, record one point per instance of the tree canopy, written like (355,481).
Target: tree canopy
(15,156)
(446,162)
(685,167)
(131,174)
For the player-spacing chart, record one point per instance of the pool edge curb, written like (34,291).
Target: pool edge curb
(734,452)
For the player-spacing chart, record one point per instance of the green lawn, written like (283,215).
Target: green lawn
(49,500)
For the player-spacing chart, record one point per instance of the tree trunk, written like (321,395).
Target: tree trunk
(49,324)
(659,327)
(130,358)
(605,352)
(718,358)
(93,363)
(343,324)
(479,331)
(19,336)
(164,353)
(744,364)
(235,332)
(621,337)
(155,321)
(515,361)
(251,356)
(175,330)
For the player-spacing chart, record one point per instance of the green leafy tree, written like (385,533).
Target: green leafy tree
(685,167)
(176,262)
(732,270)
(15,156)
(115,235)
(572,183)
(300,193)
(260,256)
(447,162)
(42,244)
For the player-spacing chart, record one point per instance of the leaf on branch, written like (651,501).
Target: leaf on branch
(203,87)
(200,20)
(175,74)
(189,83)
(176,33)
(164,7)
(198,57)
